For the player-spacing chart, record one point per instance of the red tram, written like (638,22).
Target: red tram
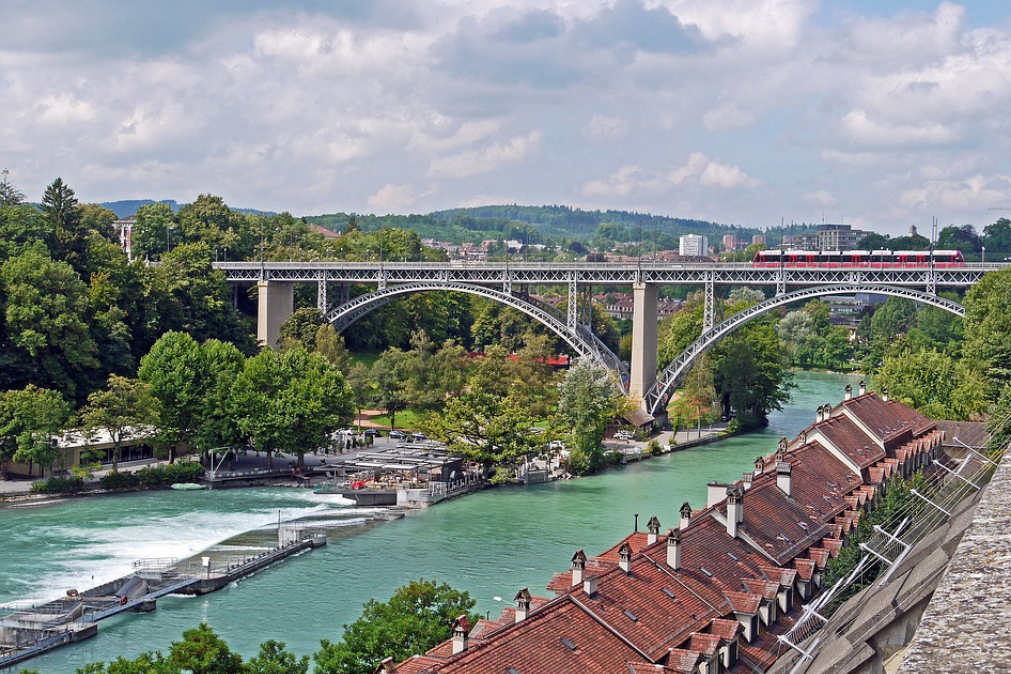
(859,259)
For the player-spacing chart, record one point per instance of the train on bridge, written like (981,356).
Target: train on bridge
(858,259)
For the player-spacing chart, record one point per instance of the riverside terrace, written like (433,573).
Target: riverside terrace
(722,591)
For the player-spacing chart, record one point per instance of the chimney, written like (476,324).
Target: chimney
(748,479)
(735,510)
(828,411)
(590,586)
(578,567)
(783,470)
(759,465)
(784,444)
(674,549)
(625,558)
(884,394)
(819,418)
(653,527)
(387,666)
(686,515)
(862,387)
(849,392)
(461,633)
(522,600)
(715,492)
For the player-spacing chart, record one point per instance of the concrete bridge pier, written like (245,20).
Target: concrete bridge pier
(275,303)
(644,341)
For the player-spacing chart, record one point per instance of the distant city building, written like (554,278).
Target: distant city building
(826,237)
(729,242)
(124,228)
(758,240)
(693,244)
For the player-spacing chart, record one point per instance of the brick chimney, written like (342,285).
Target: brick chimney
(735,509)
(862,387)
(461,634)
(522,600)
(674,549)
(686,515)
(387,666)
(590,586)
(578,566)
(653,527)
(625,558)
(849,392)
(783,470)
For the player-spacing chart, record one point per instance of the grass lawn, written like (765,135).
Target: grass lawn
(405,420)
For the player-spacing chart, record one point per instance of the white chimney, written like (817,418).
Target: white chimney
(715,492)
(625,558)
(461,633)
(735,510)
(884,394)
(862,387)
(522,600)
(578,567)
(849,392)
(783,470)
(748,479)
(686,515)
(759,465)
(590,586)
(819,416)
(653,527)
(674,549)
(387,666)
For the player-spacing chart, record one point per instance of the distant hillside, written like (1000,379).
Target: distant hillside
(537,224)
(124,209)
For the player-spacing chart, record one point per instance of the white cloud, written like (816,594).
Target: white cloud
(394,198)
(65,109)
(603,127)
(474,162)
(711,173)
(822,197)
(625,182)
(975,193)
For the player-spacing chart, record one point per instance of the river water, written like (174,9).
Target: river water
(491,543)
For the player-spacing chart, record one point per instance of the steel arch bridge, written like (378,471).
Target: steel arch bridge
(580,338)
(668,379)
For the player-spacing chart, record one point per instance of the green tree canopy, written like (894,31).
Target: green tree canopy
(417,617)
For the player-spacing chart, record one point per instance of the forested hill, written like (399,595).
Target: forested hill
(538,224)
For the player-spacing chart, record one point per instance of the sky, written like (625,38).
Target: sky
(882,115)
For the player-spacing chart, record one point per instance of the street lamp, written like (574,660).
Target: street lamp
(984,254)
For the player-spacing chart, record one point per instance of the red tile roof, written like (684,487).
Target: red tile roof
(889,421)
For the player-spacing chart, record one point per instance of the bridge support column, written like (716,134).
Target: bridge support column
(276,302)
(644,340)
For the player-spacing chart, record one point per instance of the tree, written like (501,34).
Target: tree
(997,237)
(389,382)
(290,402)
(417,617)
(329,344)
(752,377)
(175,370)
(121,410)
(152,232)
(202,651)
(698,394)
(794,330)
(274,658)
(31,419)
(587,402)
(676,332)
(491,430)
(61,209)
(299,330)
(46,320)
(987,329)
(934,383)
(360,381)
(217,426)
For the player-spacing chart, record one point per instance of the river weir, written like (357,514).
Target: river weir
(489,543)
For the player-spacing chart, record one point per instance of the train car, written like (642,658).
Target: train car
(857,259)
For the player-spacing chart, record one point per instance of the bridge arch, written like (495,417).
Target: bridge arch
(668,378)
(581,339)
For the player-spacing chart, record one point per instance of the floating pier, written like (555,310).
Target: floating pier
(27,630)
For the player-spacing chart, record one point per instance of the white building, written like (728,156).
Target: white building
(693,244)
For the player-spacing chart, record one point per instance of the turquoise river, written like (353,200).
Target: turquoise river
(491,544)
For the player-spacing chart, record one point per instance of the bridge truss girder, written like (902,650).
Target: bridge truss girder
(579,337)
(667,379)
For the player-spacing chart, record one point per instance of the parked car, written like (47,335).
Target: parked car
(398,435)
(419,436)
(373,432)
(625,435)
(556,444)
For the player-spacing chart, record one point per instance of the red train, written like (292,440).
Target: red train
(866,259)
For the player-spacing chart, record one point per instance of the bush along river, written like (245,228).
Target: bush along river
(491,543)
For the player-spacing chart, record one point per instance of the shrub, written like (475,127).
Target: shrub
(653,447)
(57,485)
(151,477)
